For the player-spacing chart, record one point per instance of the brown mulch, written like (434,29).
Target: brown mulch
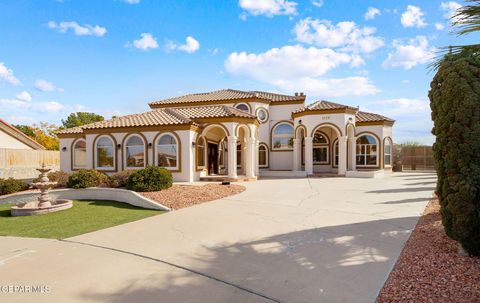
(180,196)
(430,269)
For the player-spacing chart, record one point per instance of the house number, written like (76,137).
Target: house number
(326,118)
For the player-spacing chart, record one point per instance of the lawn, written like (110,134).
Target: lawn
(83,217)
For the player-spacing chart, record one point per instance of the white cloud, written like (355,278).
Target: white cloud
(449,8)
(46,86)
(439,26)
(371,13)
(317,3)
(269,8)
(6,74)
(24,96)
(344,34)
(145,43)
(409,53)
(40,107)
(293,68)
(400,106)
(413,16)
(191,45)
(85,30)
(406,81)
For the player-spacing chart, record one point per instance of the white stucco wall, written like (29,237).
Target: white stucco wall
(7,141)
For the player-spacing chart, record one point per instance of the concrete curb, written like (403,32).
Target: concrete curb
(94,193)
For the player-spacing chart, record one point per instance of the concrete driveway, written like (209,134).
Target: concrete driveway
(297,240)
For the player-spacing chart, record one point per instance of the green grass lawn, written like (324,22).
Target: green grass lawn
(83,217)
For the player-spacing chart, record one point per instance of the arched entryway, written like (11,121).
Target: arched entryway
(211,150)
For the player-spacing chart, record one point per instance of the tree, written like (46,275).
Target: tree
(455,103)
(81,118)
(43,133)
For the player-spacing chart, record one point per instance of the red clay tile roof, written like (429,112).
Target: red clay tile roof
(225,95)
(324,105)
(19,135)
(371,117)
(164,116)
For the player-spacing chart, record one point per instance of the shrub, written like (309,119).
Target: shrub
(87,178)
(152,178)
(10,185)
(120,179)
(56,176)
(455,102)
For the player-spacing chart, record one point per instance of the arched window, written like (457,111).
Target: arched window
(243,107)
(367,151)
(80,154)
(105,153)
(262,155)
(387,152)
(320,148)
(335,153)
(167,152)
(282,136)
(201,152)
(135,152)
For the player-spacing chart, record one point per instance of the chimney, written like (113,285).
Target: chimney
(296,94)
(302,94)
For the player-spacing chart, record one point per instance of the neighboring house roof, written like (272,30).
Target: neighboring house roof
(163,117)
(370,117)
(19,135)
(225,95)
(324,105)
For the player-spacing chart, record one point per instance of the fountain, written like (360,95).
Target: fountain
(45,204)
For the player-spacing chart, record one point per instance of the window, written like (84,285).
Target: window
(239,155)
(367,151)
(262,155)
(320,148)
(80,154)
(135,152)
(282,136)
(167,152)
(335,153)
(105,153)
(201,152)
(243,107)
(262,115)
(387,152)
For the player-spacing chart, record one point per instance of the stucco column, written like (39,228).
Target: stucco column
(353,153)
(250,158)
(342,155)
(232,157)
(309,155)
(297,154)
(257,168)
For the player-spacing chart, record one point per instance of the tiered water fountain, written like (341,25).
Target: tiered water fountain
(45,203)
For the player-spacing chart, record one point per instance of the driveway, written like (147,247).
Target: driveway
(296,240)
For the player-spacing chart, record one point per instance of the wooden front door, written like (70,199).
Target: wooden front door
(212,159)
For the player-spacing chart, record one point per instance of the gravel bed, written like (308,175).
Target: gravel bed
(180,196)
(430,269)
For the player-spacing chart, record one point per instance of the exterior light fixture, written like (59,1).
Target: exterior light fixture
(64,149)
(300,121)
(194,144)
(150,145)
(119,146)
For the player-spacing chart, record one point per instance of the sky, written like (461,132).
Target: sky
(112,57)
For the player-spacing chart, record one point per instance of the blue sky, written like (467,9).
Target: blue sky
(113,57)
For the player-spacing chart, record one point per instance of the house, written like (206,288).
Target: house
(11,137)
(236,134)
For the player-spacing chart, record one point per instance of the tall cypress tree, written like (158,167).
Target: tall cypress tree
(455,103)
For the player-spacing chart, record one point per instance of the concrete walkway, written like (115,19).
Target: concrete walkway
(298,240)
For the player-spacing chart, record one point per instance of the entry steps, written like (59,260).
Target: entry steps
(283,173)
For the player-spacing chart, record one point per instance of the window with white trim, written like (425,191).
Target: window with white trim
(262,155)
(243,107)
(105,153)
(320,148)
(387,152)
(367,151)
(201,152)
(134,152)
(282,136)
(80,154)
(167,152)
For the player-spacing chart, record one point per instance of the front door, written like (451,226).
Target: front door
(212,159)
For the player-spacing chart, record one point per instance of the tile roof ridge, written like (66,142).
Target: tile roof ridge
(177,115)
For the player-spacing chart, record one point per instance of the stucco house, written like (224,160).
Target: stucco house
(236,134)
(11,137)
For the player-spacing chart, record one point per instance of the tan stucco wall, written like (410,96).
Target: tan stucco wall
(7,141)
